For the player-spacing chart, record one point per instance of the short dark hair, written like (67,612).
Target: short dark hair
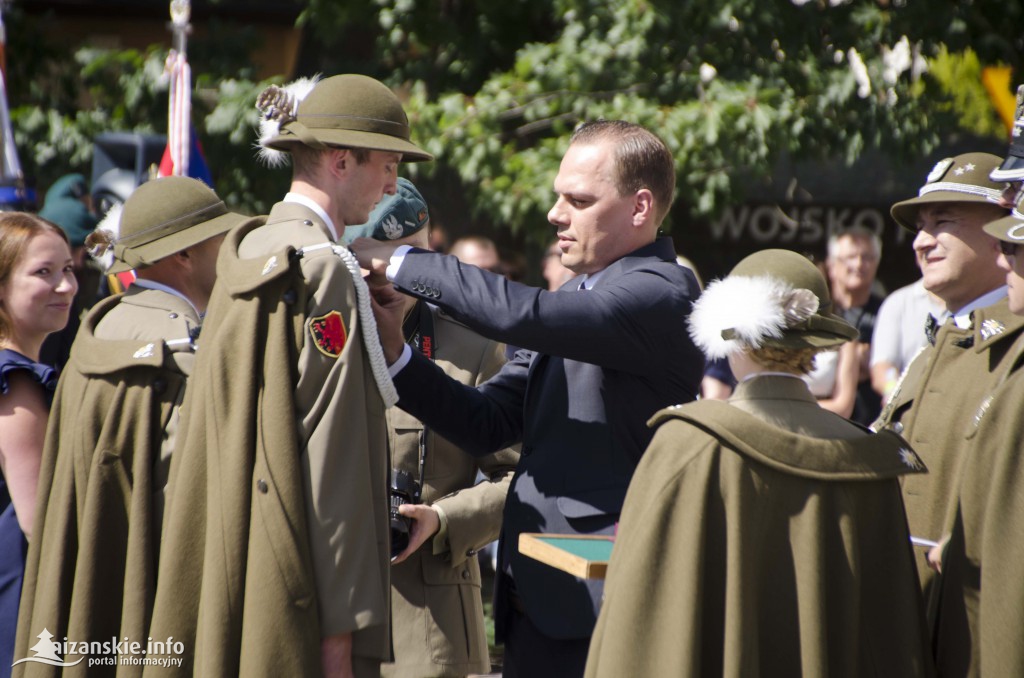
(642,160)
(16,229)
(304,157)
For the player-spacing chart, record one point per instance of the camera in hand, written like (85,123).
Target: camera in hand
(404,490)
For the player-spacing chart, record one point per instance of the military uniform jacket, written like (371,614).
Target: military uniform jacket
(934,408)
(980,606)
(92,561)
(750,549)
(437,612)
(281,461)
(600,363)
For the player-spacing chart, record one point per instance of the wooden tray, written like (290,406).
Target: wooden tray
(583,556)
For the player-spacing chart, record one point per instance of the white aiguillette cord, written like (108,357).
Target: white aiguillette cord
(378,364)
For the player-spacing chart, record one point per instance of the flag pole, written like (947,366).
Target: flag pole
(180,98)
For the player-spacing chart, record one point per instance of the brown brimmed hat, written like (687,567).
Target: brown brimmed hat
(964,178)
(165,216)
(771,298)
(1009,228)
(347,111)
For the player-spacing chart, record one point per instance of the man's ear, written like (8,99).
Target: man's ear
(339,161)
(643,207)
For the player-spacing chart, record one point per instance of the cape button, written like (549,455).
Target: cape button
(307,222)
(289,296)
(261,485)
(465,574)
(897,427)
(172,315)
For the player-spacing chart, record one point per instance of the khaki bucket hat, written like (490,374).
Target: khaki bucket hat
(964,178)
(165,216)
(771,298)
(350,111)
(1009,228)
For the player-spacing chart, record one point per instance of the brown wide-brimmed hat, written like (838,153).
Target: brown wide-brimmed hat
(348,111)
(165,216)
(964,178)
(771,298)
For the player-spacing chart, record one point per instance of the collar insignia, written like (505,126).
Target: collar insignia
(270,265)
(991,328)
(910,458)
(328,333)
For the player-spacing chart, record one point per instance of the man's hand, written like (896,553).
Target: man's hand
(389,311)
(425,524)
(936,554)
(373,255)
(336,656)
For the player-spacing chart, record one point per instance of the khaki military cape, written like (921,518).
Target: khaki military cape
(235,582)
(92,561)
(934,408)
(437,615)
(747,550)
(980,597)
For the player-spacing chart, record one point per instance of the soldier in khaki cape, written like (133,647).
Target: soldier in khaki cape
(282,468)
(934,405)
(437,619)
(980,596)
(113,423)
(764,535)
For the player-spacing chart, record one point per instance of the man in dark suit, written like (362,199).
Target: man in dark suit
(601,355)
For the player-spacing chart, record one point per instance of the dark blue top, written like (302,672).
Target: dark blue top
(13,546)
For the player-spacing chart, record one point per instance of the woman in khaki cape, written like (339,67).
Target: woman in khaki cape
(764,536)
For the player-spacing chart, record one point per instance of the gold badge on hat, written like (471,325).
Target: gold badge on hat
(939,170)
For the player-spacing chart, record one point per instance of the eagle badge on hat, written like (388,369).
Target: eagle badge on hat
(939,170)
(392,229)
(328,333)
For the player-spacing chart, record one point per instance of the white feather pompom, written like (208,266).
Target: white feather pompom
(111,223)
(287,102)
(754,308)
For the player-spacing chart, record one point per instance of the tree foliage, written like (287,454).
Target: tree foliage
(492,89)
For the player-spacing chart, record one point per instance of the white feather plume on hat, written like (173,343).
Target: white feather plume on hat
(108,231)
(753,308)
(277,106)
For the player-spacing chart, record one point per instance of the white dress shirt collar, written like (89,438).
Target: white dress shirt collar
(313,205)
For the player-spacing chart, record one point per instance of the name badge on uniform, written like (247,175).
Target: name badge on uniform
(328,333)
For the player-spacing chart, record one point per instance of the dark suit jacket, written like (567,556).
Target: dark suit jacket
(596,366)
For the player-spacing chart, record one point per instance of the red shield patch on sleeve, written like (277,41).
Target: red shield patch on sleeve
(328,334)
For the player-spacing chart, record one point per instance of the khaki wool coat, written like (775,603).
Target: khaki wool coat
(935,409)
(91,567)
(763,537)
(276,528)
(437,619)
(980,595)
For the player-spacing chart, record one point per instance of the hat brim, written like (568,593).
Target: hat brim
(821,332)
(156,250)
(1012,169)
(905,212)
(372,141)
(1001,229)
